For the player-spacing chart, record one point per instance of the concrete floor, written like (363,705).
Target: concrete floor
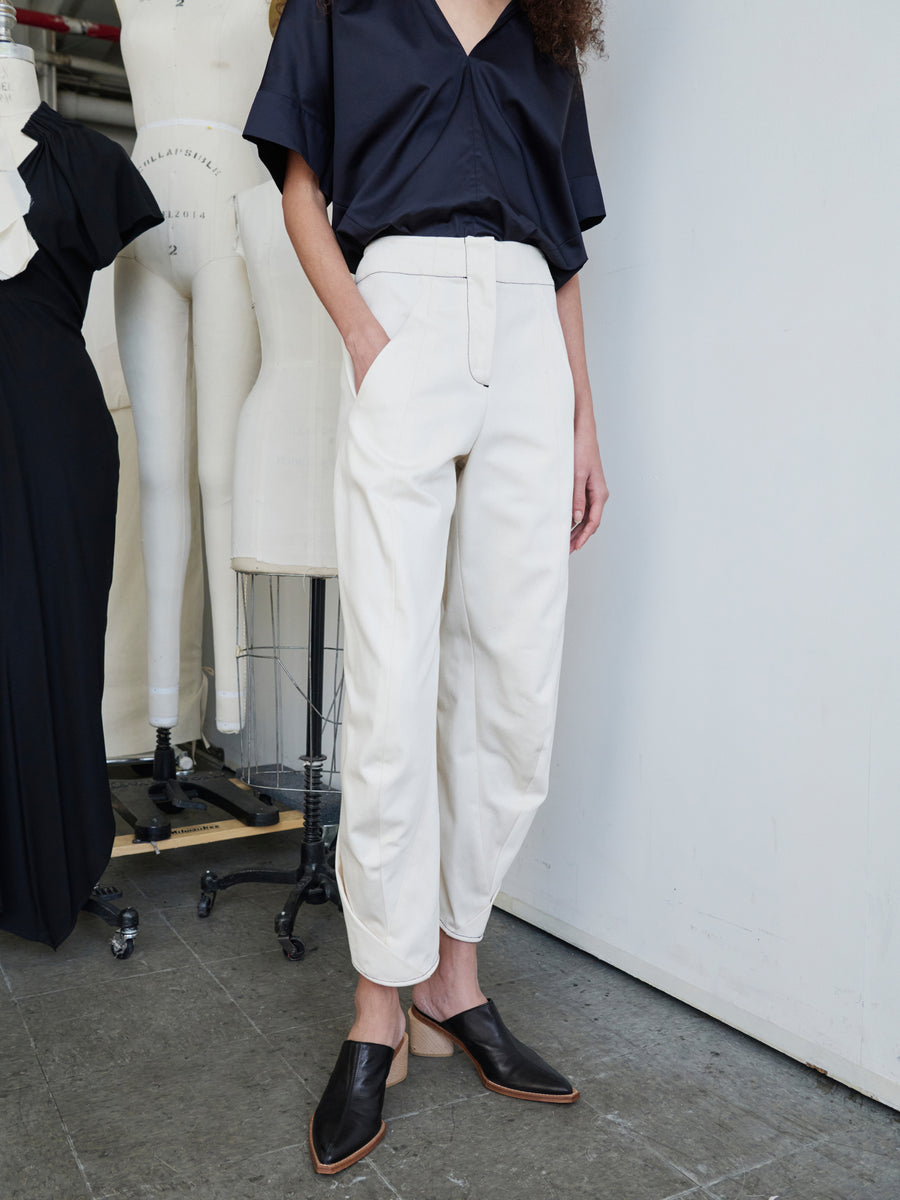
(189,1072)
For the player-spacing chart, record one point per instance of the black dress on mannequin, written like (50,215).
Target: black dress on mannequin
(58,477)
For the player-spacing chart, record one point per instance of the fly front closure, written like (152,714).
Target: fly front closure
(478,260)
(481,305)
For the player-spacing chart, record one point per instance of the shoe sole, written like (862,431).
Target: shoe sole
(540,1097)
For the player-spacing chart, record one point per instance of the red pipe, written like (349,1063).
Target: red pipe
(110,33)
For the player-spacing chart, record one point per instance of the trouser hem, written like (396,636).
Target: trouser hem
(397,983)
(457,934)
(462,937)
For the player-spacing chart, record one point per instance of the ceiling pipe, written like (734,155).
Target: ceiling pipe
(96,110)
(90,66)
(40,20)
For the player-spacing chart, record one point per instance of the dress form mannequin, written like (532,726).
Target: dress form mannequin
(193,71)
(284,526)
(284,462)
(19,97)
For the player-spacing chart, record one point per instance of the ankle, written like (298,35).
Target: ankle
(453,988)
(440,1003)
(379,1017)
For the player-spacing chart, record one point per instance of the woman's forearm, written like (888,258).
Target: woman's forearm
(568,304)
(589,493)
(309,229)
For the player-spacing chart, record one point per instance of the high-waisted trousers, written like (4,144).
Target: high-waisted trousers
(453,499)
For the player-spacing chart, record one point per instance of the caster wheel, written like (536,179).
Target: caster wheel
(121,947)
(296,952)
(205,905)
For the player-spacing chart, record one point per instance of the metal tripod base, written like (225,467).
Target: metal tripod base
(314,883)
(314,879)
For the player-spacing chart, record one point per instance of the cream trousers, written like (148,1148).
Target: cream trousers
(453,495)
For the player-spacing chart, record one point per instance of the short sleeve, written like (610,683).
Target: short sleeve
(294,107)
(115,205)
(579,163)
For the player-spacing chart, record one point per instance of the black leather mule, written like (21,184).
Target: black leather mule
(348,1124)
(504,1064)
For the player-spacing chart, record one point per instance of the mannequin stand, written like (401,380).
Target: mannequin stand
(314,879)
(167,794)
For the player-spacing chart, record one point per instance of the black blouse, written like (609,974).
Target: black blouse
(408,134)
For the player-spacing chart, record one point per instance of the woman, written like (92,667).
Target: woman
(451,139)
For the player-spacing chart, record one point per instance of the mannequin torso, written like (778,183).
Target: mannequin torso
(193,70)
(19,97)
(201,61)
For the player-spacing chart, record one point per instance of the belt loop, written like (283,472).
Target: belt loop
(481,300)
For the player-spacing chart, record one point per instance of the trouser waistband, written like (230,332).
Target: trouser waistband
(482,261)
(455,257)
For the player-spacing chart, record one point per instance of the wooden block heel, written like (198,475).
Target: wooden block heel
(399,1063)
(426,1040)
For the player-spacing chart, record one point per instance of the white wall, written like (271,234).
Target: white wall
(725,811)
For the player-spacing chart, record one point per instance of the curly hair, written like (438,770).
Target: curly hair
(276,8)
(565,30)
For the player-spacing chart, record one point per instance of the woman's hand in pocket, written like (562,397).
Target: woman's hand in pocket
(364,345)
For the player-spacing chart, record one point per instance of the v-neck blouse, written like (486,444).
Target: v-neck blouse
(408,134)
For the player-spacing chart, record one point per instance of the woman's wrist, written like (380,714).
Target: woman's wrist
(363,332)
(585,422)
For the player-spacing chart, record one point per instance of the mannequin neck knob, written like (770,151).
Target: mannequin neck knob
(9,48)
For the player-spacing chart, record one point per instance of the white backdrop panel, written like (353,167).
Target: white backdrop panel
(724,820)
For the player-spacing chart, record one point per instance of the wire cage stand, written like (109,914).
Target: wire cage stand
(282,683)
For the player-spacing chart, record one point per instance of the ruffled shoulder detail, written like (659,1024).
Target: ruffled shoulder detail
(109,201)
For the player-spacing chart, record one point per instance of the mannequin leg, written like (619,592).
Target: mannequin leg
(226,363)
(152,322)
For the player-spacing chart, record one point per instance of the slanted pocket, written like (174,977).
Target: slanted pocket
(392,298)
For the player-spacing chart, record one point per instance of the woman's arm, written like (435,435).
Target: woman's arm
(590,492)
(320,257)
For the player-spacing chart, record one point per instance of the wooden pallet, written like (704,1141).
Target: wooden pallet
(198,832)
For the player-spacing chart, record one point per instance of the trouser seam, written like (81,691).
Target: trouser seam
(389,915)
(475,710)
(557,458)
